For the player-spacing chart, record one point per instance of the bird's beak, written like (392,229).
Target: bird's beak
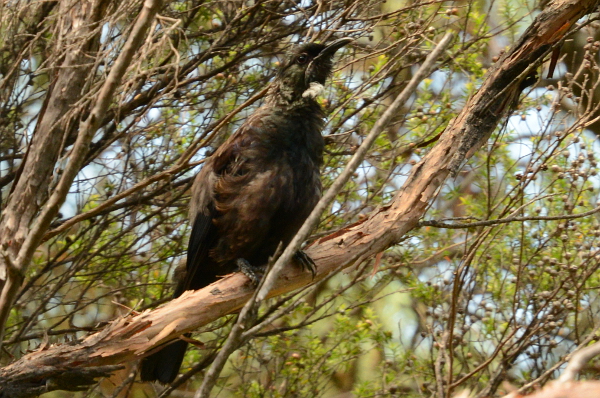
(333,47)
(325,55)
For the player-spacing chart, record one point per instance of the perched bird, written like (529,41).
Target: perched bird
(256,190)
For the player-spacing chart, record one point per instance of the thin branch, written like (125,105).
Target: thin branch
(80,149)
(127,339)
(487,223)
(235,337)
(89,127)
(182,164)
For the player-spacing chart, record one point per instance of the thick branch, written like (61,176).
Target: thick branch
(85,134)
(578,361)
(130,338)
(30,189)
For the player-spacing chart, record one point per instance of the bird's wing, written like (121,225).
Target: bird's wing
(203,233)
(226,163)
(247,206)
(248,190)
(201,238)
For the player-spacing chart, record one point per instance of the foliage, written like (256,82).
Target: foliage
(467,306)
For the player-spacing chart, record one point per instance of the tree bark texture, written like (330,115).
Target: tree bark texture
(35,201)
(130,338)
(80,35)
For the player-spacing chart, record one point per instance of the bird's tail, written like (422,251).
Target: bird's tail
(163,365)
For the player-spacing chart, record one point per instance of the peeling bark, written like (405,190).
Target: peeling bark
(130,338)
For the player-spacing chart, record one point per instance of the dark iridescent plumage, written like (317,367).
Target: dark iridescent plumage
(258,188)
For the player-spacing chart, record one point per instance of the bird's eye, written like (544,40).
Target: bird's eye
(302,58)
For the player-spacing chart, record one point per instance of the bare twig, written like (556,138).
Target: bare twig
(487,223)
(235,336)
(80,148)
(130,338)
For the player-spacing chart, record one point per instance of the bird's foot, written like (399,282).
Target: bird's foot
(255,274)
(306,262)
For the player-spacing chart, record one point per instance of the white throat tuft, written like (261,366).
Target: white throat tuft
(313,91)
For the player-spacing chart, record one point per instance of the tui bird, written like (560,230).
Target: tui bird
(256,190)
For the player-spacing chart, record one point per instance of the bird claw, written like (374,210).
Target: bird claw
(306,262)
(255,274)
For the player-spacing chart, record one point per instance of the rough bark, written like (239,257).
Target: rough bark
(130,338)
(80,36)
(25,220)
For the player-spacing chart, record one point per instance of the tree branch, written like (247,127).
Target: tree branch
(29,191)
(507,220)
(129,338)
(236,337)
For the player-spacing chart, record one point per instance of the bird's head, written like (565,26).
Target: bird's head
(307,67)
